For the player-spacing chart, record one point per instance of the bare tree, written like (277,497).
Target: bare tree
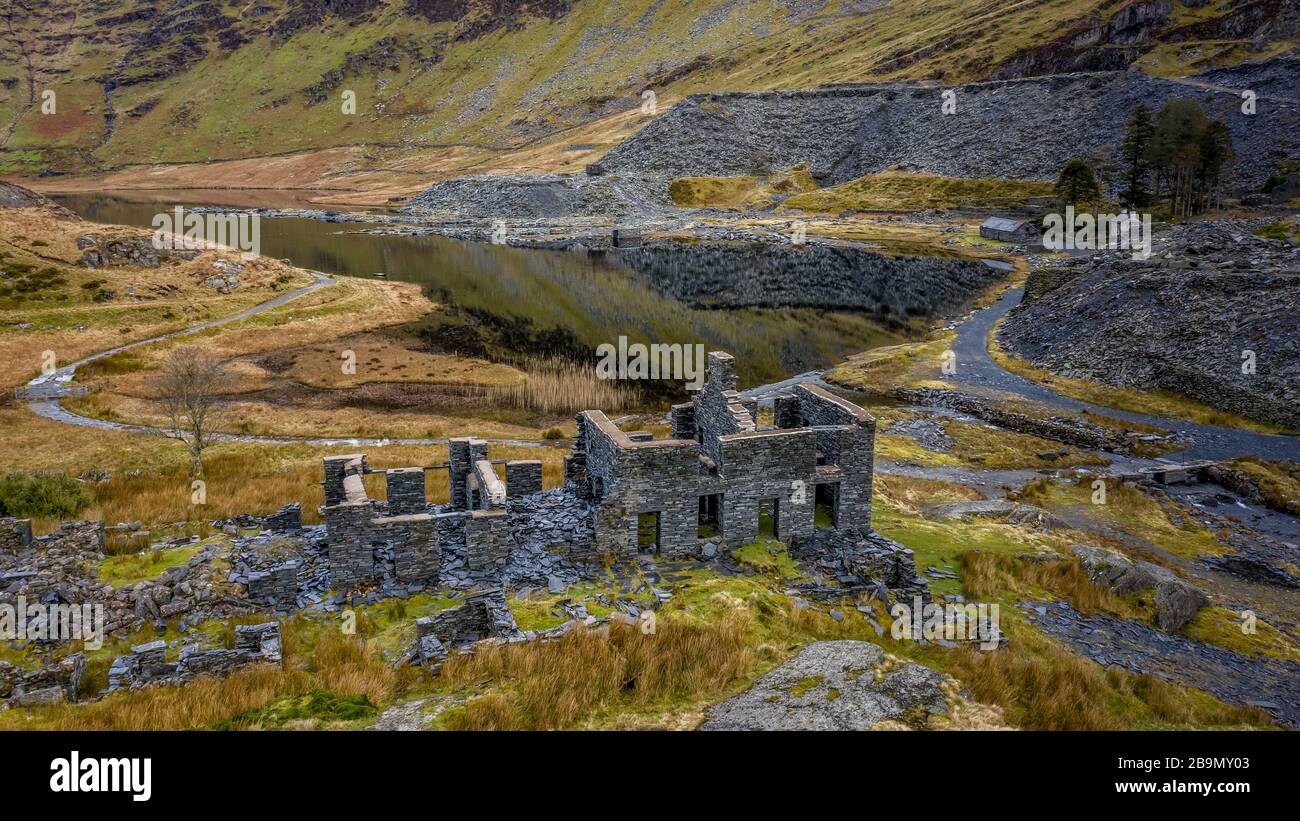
(189,385)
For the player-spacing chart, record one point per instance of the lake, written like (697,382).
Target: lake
(525,301)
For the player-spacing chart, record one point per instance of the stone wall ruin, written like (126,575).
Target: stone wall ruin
(708,482)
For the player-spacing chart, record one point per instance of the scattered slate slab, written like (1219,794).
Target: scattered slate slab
(831,685)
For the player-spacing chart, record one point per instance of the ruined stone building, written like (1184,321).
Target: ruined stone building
(718,478)
(721,471)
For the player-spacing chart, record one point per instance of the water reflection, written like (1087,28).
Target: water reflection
(584,298)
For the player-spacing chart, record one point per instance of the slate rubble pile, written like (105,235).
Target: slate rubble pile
(1271,684)
(147,664)
(846,130)
(1212,299)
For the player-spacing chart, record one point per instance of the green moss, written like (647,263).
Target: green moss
(390,624)
(800,688)
(769,556)
(537,611)
(317,706)
(133,568)
(1227,629)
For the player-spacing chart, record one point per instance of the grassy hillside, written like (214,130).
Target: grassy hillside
(898,190)
(143,82)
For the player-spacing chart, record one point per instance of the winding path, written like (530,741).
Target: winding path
(45,393)
(976,368)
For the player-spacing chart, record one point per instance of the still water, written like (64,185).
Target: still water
(532,298)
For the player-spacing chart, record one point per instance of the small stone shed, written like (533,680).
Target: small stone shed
(1009,230)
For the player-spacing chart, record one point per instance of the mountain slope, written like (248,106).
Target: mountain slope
(143,81)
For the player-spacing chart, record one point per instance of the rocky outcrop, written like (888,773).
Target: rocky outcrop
(1092,44)
(1177,600)
(16,196)
(1279,77)
(100,251)
(1011,512)
(836,685)
(1213,314)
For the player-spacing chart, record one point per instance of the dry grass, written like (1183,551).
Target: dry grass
(1279,482)
(386,357)
(585,674)
(993,575)
(150,478)
(883,369)
(905,191)
(976,443)
(171,296)
(560,386)
(739,192)
(320,416)
(1041,686)
(1151,518)
(910,495)
(258,480)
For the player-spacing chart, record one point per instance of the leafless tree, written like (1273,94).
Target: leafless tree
(189,386)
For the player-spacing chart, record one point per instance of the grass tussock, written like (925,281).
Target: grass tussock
(1127,508)
(740,192)
(988,576)
(910,494)
(315,659)
(586,673)
(1044,687)
(560,386)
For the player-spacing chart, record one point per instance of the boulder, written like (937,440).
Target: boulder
(834,685)
(1177,600)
